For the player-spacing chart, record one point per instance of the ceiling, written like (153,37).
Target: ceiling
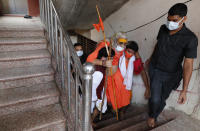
(81,14)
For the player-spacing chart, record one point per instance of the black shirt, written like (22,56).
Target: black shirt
(171,49)
(83,58)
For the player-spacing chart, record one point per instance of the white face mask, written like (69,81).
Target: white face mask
(173,25)
(119,48)
(79,53)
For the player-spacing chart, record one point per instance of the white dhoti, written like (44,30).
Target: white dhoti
(97,78)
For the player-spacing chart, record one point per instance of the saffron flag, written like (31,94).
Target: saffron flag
(99,25)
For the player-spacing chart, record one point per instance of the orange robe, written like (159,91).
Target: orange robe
(123,96)
(94,54)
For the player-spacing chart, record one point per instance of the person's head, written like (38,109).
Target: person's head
(102,55)
(131,49)
(79,49)
(121,41)
(177,15)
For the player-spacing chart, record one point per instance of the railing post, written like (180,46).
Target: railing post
(88,70)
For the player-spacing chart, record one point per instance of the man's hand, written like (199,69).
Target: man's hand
(182,97)
(147,62)
(147,94)
(108,63)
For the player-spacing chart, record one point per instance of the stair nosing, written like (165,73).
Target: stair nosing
(128,119)
(25,42)
(26,77)
(22,59)
(29,100)
(56,109)
(31,75)
(33,98)
(46,125)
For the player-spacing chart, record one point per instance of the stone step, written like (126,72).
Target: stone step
(48,118)
(164,117)
(23,98)
(22,33)
(24,58)
(142,126)
(131,112)
(25,76)
(125,123)
(19,44)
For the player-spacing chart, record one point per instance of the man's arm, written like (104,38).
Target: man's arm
(187,73)
(146,83)
(144,78)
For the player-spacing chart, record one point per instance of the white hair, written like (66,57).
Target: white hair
(121,35)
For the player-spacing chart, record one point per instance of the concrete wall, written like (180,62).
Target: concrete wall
(138,12)
(14,6)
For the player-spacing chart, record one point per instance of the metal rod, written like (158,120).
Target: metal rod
(48,21)
(68,78)
(41,9)
(51,28)
(61,55)
(45,12)
(88,69)
(56,40)
(76,101)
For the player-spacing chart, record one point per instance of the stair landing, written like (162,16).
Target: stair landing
(15,23)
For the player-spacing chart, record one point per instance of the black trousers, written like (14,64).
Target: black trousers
(160,90)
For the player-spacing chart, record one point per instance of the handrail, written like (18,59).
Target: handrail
(73,80)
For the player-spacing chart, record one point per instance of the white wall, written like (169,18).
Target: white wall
(74,39)
(14,6)
(138,12)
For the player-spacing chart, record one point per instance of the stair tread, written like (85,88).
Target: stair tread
(21,28)
(25,72)
(138,127)
(125,123)
(32,119)
(165,117)
(23,94)
(20,55)
(131,112)
(11,41)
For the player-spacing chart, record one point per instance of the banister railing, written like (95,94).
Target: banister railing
(73,80)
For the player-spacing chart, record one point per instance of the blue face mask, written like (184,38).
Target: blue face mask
(119,48)
(79,53)
(173,25)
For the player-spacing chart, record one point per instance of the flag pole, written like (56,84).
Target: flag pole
(109,55)
(104,35)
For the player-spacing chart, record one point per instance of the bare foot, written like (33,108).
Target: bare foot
(151,122)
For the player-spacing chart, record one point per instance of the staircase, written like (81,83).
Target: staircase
(29,98)
(134,120)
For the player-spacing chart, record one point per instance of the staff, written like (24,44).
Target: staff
(98,26)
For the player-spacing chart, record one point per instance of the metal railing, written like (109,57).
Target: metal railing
(73,80)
